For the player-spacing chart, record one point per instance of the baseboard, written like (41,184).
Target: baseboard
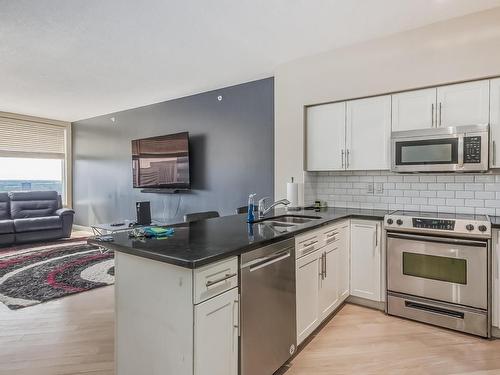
(82,228)
(366,303)
(495,332)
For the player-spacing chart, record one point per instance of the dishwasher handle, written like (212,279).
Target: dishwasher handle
(267,261)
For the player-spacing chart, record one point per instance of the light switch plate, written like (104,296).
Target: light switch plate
(379,188)
(369,188)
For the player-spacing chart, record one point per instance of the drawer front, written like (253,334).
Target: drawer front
(335,232)
(308,243)
(215,279)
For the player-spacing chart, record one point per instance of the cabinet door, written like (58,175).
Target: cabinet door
(329,288)
(368,133)
(414,110)
(344,262)
(365,260)
(463,104)
(308,269)
(495,123)
(216,335)
(496,279)
(325,137)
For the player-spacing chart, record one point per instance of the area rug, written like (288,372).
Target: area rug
(33,274)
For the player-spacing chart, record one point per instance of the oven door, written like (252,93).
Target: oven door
(444,269)
(427,154)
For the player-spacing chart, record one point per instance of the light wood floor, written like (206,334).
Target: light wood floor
(74,335)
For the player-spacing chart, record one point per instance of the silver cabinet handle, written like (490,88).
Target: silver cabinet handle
(376,235)
(347,161)
(310,243)
(324,265)
(494,151)
(321,267)
(432,115)
(237,324)
(342,154)
(440,113)
(228,276)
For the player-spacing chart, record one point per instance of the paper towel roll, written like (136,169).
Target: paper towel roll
(292,194)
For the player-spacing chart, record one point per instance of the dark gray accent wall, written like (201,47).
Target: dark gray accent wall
(231,151)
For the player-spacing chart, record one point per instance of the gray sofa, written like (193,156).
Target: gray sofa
(30,216)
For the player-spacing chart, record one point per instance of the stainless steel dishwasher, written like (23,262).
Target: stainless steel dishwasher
(268,323)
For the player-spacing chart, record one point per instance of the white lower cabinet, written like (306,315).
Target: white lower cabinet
(322,278)
(307,279)
(496,278)
(216,335)
(366,260)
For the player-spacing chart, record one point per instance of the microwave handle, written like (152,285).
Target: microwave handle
(461,151)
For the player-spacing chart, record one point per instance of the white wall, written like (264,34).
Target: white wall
(464,48)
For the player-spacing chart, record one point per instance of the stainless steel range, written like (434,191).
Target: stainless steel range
(439,269)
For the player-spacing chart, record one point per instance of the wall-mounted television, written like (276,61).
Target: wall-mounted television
(161,162)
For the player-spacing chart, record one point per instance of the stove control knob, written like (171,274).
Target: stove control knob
(399,222)
(482,228)
(390,221)
(469,227)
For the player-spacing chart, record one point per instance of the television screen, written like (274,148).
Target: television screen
(161,162)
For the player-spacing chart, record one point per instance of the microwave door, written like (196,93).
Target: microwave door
(423,155)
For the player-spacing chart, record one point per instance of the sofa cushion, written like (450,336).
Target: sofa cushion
(30,204)
(4,206)
(38,223)
(6,226)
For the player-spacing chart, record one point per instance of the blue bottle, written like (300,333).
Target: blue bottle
(251,205)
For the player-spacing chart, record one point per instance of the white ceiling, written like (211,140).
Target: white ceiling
(75,59)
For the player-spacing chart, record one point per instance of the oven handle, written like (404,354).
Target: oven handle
(453,241)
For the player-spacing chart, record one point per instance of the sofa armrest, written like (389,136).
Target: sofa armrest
(66,215)
(65,211)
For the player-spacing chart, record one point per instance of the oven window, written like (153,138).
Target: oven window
(433,267)
(434,151)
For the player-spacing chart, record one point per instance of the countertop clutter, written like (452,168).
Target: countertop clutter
(203,242)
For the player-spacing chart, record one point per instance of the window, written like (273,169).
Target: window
(35,155)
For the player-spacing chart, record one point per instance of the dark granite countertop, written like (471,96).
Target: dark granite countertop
(203,242)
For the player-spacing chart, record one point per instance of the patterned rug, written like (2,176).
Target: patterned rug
(32,274)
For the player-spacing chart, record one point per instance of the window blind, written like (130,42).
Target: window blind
(21,138)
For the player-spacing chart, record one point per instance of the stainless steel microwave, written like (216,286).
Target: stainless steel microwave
(450,149)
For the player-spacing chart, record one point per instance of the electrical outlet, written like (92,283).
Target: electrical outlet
(369,188)
(379,188)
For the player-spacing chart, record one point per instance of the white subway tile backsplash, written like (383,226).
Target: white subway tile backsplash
(446,194)
(437,201)
(484,195)
(464,194)
(445,179)
(455,186)
(437,186)
(411,178)
(461,193)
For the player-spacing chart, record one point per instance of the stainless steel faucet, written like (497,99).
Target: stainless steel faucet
(262,206)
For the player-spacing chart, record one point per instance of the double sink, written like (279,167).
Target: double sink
(285,223)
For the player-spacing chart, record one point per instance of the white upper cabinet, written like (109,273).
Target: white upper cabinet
(368,133)
(495,123)
(463,104)
(414,110)
(325,137)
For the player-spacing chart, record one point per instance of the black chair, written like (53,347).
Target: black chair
(195,216)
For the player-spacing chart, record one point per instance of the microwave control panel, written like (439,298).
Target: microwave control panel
(472,149)
(434,224)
